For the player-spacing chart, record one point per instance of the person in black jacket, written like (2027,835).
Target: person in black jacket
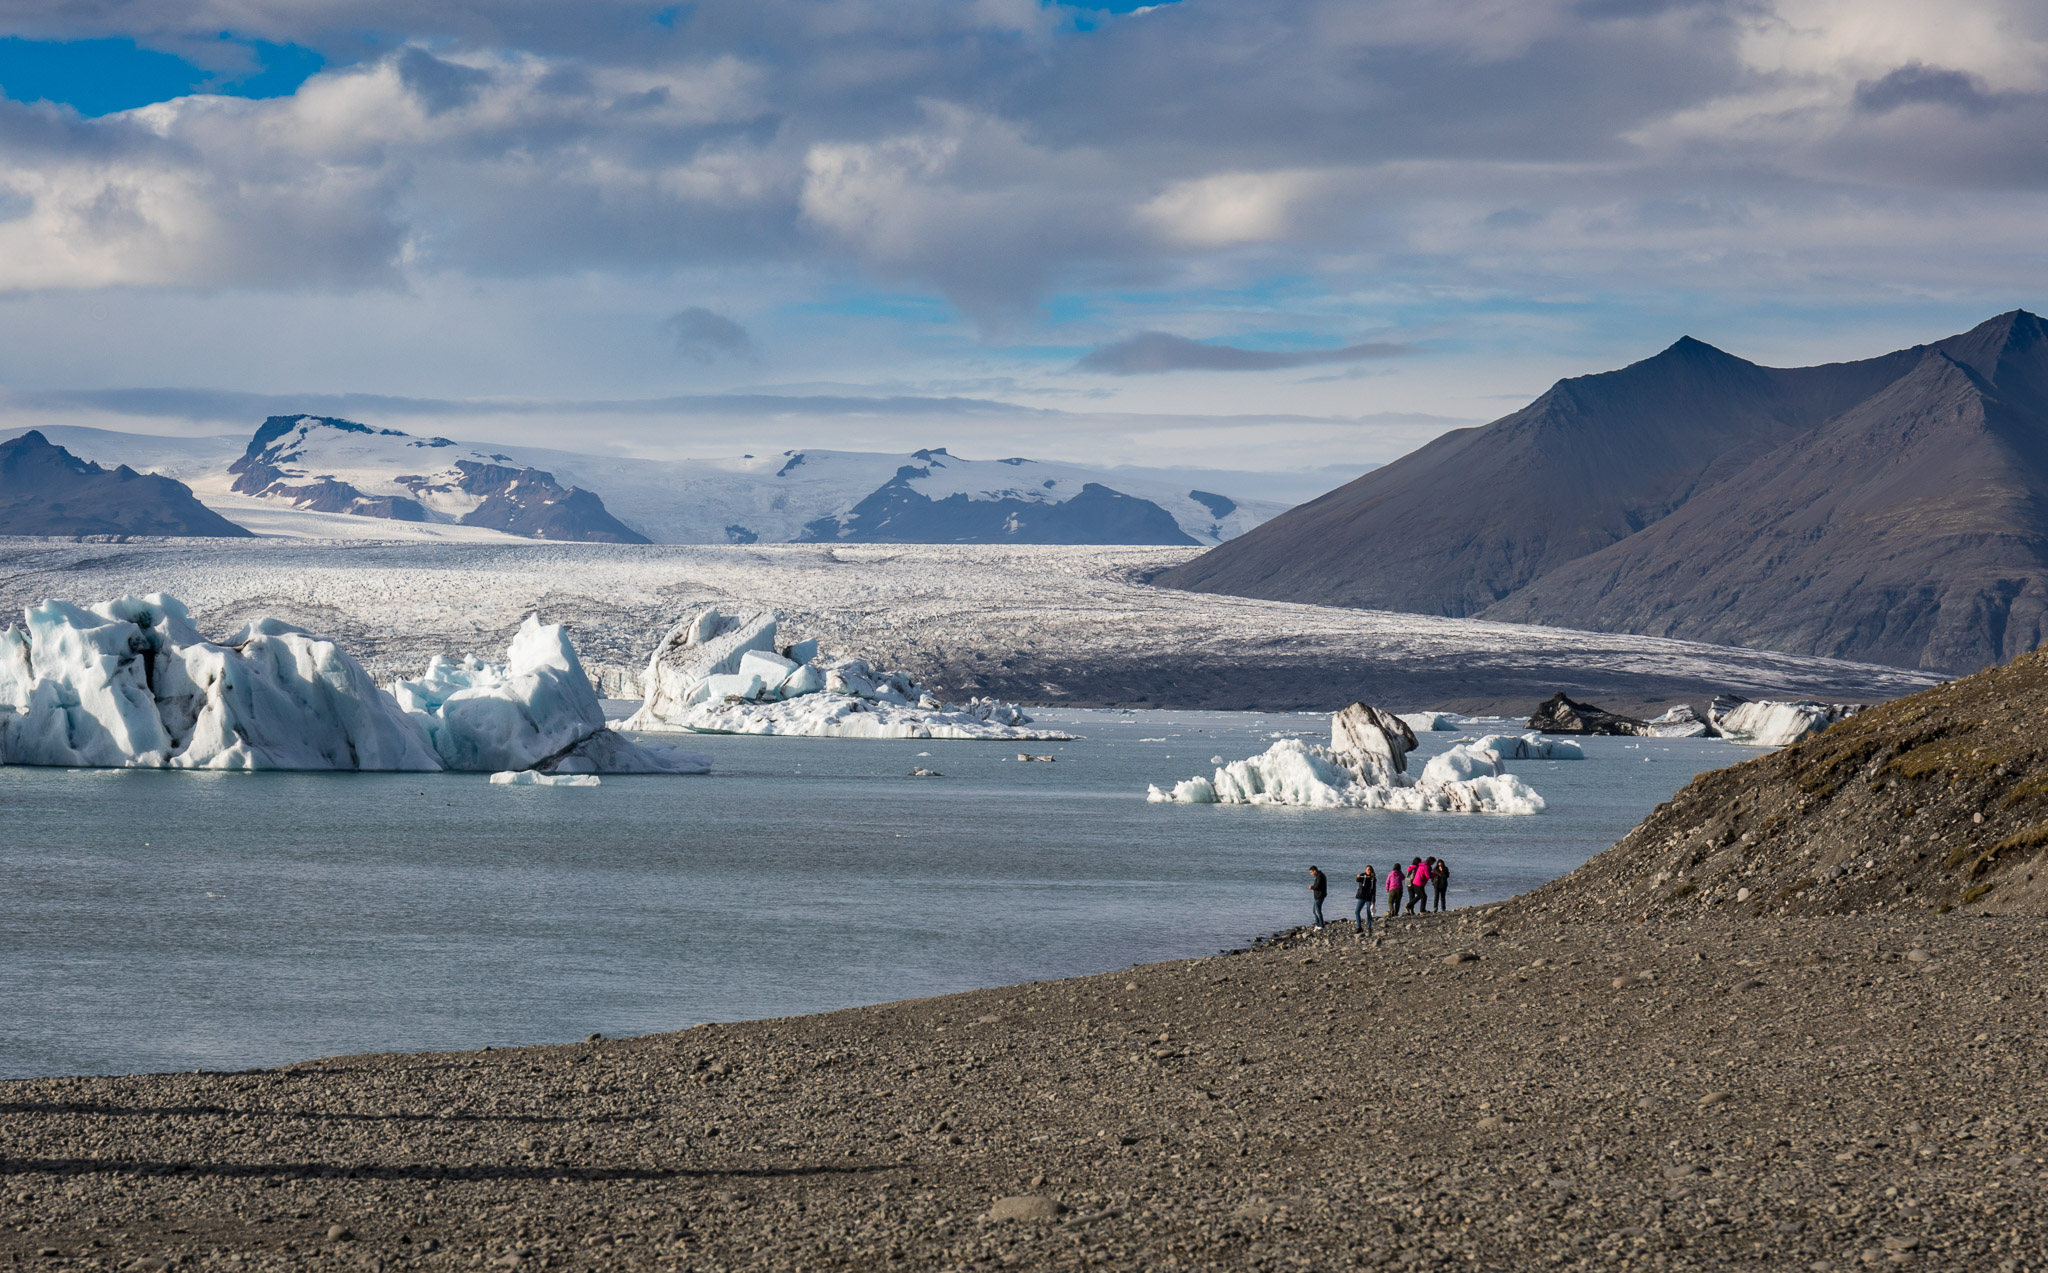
(1439,881)
(1318,889)
(1367,895)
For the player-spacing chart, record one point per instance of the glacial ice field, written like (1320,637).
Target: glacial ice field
(1037,625)
(237,919)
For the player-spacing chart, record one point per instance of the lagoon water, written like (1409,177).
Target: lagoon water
(157,921)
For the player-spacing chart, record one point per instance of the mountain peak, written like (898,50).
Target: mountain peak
(2009,352)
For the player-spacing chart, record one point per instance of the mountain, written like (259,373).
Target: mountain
(315,476)
(46,490)
(1886,510)
(325,465)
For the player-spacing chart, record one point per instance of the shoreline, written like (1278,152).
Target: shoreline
(1477,1090)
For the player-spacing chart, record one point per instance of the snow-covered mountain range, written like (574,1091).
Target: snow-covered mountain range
(318,477)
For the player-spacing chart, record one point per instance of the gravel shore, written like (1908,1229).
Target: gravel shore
(1489,1090)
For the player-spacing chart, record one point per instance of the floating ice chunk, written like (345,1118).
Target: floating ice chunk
(1462,763)
(1428,722)
(536,710)
(132,684)
(719,675)
(1531,746)
(1774,724)
(1466,779)
(533,778)
(1680,722)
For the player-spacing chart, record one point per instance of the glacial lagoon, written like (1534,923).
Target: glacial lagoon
(155,921)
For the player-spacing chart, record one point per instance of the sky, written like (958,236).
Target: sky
(1293,235)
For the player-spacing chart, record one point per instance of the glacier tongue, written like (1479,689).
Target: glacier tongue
(716,673)
(536,710)
(132,684)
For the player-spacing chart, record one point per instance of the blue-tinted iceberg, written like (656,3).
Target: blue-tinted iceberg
(724,674)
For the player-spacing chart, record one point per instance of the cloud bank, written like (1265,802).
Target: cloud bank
(1149,352)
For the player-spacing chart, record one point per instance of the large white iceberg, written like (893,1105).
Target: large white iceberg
(1765,723)
(1530,746)
(1365,767)
(132,684)
(716,673)
(535,711)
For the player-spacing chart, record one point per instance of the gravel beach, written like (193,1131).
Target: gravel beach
(1485,1090)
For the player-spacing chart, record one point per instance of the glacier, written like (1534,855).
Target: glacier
(1364,767)
(535,711)
(716,673)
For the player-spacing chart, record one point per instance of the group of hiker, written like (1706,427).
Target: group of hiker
(1416,880)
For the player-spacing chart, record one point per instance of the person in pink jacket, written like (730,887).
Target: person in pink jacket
(1394,877)
(1418,887)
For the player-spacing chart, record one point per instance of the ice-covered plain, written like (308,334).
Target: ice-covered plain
(1039,625)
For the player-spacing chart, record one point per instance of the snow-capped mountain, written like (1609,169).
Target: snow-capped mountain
(338,466)
(925,497)
(318,477)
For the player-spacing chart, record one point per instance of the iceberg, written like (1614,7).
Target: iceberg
(1429,722)
(531,778)
(1765,723)
(535,711)
(1680,722)
(132,684)
(1365,767)
(1530,746)
(716,673)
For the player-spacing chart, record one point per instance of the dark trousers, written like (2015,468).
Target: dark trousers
(1418,898)
(1317,899)
(1440,889)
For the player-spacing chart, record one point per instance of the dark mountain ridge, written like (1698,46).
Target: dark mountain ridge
(1889,509)
(46,490)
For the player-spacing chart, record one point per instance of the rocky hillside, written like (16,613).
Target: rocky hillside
(1934,802)
(46,490)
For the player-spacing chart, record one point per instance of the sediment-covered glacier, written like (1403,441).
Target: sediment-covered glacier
(535,711)
(716,673)
(132,684)
(1365,767)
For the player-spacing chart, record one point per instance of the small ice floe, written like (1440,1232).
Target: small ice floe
(1043,760)
(922,772)
(534,778)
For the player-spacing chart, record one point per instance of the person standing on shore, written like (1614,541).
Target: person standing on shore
(1393,890)
(1318,889)
(1418,896)
(1367,895)
(1440,882)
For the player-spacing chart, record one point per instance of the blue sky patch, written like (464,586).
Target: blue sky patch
(99,77)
